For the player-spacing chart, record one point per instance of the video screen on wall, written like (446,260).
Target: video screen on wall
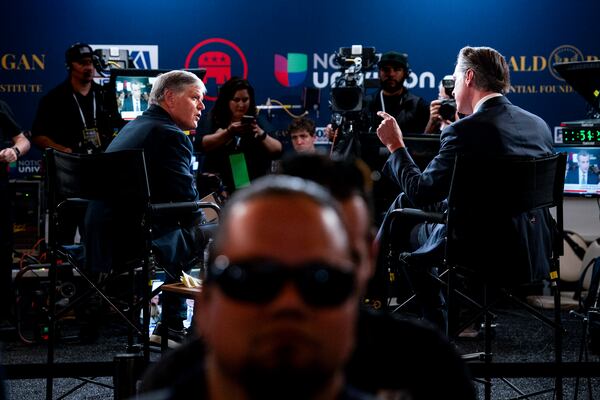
(582,174)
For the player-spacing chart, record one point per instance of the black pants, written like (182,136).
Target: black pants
(412,250)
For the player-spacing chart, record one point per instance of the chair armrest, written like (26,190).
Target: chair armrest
(415,213)
(73,202)
(182,207)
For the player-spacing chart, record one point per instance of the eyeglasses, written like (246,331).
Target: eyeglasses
(319,284)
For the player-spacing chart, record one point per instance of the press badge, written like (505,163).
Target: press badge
(91,136)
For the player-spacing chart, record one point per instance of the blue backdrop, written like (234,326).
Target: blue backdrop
(238,36)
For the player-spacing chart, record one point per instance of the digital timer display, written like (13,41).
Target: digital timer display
(580,135)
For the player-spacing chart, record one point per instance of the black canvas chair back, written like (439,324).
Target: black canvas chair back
(113,181)
(77,181)
(498,211)
(95,176)
(496,237)
(491,203)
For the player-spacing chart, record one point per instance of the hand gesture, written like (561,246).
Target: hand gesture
(389,132)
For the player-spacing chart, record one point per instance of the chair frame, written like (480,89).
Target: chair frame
(76,179)
(539,186)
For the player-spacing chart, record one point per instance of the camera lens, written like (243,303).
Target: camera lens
(448,109)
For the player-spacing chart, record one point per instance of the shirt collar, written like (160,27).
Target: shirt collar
(484,99)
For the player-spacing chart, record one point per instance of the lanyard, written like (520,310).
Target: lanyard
(380,97)
(81,111)
(383,103)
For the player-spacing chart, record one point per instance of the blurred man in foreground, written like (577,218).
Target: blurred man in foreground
(280,303)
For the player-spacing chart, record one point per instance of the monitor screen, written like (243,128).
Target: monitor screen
(583,170)
(132,95)
(131,88)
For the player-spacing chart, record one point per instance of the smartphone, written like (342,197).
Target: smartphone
(248,119)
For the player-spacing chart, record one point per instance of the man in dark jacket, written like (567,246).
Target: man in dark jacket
(282,280)
(493,127)
(176,105)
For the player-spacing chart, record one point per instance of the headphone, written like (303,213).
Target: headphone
(76,50)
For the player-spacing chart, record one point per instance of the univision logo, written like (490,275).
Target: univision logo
(290,71)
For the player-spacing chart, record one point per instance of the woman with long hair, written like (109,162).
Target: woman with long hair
(234,144)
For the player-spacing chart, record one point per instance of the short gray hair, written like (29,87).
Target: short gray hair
(175,81)
(489,66)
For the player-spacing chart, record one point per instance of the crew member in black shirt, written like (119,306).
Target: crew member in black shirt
(411,111)
(73,117)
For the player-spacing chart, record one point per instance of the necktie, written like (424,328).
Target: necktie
(583,178)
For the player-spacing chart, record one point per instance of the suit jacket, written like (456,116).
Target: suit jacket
(573,177)
(168,154)
(498,128)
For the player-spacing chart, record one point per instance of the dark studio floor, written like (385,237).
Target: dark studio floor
(517,339)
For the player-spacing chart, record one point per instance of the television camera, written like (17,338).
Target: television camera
(112,58)
(347,94)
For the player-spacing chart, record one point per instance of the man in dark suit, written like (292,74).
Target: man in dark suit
(582,174)
(493,126)
(176,105)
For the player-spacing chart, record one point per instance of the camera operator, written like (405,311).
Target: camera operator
(72,117)
(410,111)
(442,112)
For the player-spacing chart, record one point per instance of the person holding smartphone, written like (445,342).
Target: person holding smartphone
(233,140)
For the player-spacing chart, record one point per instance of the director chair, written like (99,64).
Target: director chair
(120,181)
(495,236)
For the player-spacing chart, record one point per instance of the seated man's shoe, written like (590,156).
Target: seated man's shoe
(476,331)
(471,332)
(176,337)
